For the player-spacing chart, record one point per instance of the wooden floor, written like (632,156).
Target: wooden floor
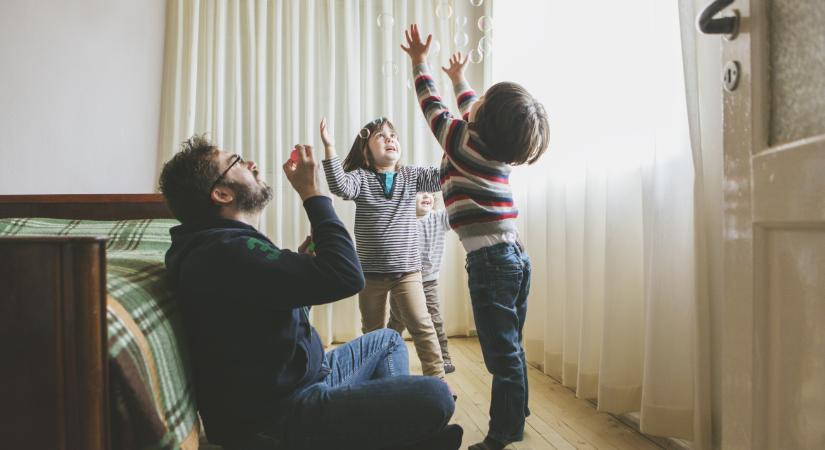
(558,419)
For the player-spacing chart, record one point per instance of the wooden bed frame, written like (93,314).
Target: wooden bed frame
(85,206)
(54,382)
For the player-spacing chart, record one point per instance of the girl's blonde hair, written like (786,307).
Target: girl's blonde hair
(359,156)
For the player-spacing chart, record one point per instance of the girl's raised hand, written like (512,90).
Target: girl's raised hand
(456,68)
(416,48)
(325,137)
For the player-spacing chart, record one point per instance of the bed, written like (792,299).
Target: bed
(94,355)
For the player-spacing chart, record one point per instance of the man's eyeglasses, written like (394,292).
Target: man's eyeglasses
(237,159)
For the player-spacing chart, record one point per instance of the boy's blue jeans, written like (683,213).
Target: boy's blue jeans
(499,279)
(368,400)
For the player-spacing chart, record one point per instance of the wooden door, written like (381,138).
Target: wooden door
(774,228)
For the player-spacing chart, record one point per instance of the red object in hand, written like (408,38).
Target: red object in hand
(294,155)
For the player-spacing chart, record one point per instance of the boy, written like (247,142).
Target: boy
(505,127)
(432,225)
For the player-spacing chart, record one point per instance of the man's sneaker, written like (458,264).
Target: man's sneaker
(447,439)
(449,367)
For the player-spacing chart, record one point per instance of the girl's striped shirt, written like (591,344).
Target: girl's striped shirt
(386,235)
(476,189)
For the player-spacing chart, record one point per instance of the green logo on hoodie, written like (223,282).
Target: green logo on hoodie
(272,253)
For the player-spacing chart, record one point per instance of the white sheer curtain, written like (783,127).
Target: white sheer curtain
(258,75)
(612,215)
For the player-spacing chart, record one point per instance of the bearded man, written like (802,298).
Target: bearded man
(262,378)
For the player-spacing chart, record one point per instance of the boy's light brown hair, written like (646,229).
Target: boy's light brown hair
(512,124)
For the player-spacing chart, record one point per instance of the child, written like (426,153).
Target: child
(385,231)
(506,126)
(432,225)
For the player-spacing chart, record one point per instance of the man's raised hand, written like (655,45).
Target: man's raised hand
(301,173)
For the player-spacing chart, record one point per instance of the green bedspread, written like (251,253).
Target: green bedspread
(151,389)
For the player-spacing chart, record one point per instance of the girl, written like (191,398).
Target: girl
(386,234)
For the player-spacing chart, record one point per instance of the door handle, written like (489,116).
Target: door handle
(723,25)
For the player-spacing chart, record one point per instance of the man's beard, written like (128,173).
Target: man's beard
(252,199)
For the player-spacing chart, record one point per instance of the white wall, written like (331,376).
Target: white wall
(80,85)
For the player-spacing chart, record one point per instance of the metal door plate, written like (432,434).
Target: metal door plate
(730,75)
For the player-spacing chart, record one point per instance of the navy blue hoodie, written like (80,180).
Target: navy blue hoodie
(245,304)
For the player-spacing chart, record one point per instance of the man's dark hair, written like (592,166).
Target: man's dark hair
(186,178)
(512,124)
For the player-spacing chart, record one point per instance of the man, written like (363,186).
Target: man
(261,374)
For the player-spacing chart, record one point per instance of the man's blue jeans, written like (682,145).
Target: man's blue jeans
(368,400)
(499,279)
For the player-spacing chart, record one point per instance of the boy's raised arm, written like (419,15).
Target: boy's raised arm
(447,129)
(464,94)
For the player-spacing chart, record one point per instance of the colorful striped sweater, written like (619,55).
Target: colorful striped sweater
(476,190)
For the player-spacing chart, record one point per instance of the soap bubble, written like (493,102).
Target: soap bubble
(460,21)
(475,56)
(389,68)
(485,23)
(435,47)
(385,20)
(476,2)
(461,39)
(443,11)
(485,44)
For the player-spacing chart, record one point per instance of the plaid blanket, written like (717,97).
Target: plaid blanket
(152,394)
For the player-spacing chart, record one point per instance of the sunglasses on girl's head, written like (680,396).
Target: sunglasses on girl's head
(365,132)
